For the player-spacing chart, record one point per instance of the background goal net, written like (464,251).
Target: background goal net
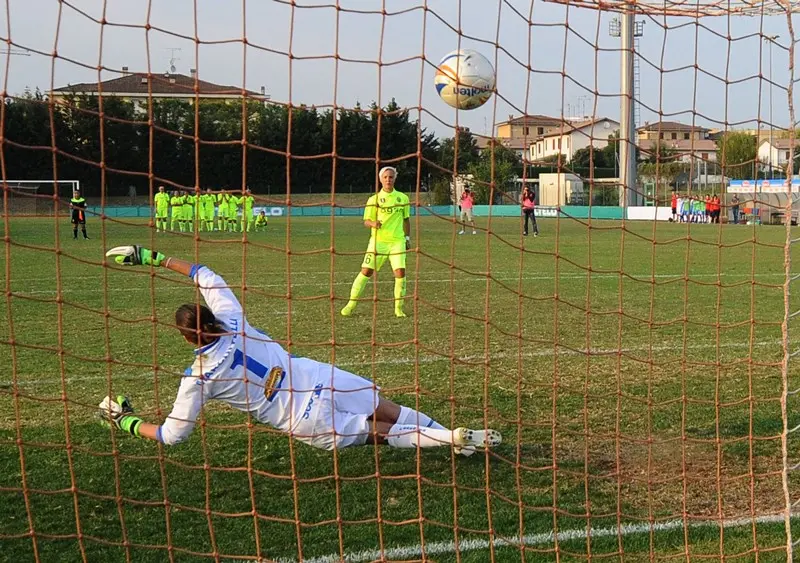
(38,197)
(639,360)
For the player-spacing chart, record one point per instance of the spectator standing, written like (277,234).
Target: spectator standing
(735,209)
(528,209)
(674,205)
(466,204)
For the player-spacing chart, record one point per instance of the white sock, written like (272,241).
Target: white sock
(412,436)
(416,418)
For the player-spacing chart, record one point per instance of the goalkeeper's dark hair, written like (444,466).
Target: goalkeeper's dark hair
(198,324)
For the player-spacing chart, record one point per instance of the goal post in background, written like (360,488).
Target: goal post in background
(37,197)
(641,365)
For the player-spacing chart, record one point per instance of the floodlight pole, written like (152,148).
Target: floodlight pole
(627,28)
(627,125)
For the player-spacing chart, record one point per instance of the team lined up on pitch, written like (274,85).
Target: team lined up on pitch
(206,212)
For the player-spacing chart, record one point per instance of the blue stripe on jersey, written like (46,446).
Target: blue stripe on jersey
(187,372)
(159,436)
(258,369)
(205,348)
(193,270)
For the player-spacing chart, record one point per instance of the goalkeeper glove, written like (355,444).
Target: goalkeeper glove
(120,413)
(135,255)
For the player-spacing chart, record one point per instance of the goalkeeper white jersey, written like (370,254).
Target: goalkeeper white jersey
(245,369)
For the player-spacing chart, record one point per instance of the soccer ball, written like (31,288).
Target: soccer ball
(464,79)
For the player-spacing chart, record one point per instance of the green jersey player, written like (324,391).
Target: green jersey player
(206,204)
(232,212)
(188,212)
(161,203)
(387,216)
(246,201)
(176,208)
(222,210)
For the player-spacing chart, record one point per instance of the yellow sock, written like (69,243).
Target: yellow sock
(399,293)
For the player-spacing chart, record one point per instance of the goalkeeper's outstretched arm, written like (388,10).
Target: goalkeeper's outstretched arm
(214,289)
(199,325)
(176,428)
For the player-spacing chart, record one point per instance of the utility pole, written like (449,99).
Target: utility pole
(626,28)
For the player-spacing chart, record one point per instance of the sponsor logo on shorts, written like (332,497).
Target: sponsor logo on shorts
(316,394)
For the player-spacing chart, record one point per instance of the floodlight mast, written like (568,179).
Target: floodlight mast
(626,29)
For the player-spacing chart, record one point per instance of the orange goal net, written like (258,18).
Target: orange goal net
(595,259)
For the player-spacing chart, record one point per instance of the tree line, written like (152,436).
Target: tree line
(221,145)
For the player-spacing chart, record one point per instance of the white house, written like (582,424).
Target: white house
(572,137)
(685,150)
(777,153)
(517,146)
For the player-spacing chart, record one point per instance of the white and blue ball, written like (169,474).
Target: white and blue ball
(464,79)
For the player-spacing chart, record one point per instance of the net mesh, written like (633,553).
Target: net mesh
(641,370)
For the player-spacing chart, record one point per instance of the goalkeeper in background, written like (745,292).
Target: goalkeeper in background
(161,203)
(237,364)
(387,216)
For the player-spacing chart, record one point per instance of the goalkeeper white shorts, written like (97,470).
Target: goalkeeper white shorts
(337,415)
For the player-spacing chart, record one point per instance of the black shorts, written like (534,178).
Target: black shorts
(674,210)
(78,218)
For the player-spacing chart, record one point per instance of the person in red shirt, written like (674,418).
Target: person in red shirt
(715,201)
(465,204)
(709,208)
(674,205)
(528,208)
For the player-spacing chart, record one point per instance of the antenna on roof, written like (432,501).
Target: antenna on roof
(20,52)
(173,58)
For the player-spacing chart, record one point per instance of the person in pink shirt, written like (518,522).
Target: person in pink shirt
(465,204)
(528,206)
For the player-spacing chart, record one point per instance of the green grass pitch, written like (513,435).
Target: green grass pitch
(624,398)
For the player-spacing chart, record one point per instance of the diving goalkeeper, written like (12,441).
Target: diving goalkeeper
(314,402)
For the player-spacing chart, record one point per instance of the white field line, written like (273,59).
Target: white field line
(531,540)
(473,279)
(436,359)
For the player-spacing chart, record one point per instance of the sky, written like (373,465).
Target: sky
(550,58)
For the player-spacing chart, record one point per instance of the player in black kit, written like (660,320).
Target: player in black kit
(78,206)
